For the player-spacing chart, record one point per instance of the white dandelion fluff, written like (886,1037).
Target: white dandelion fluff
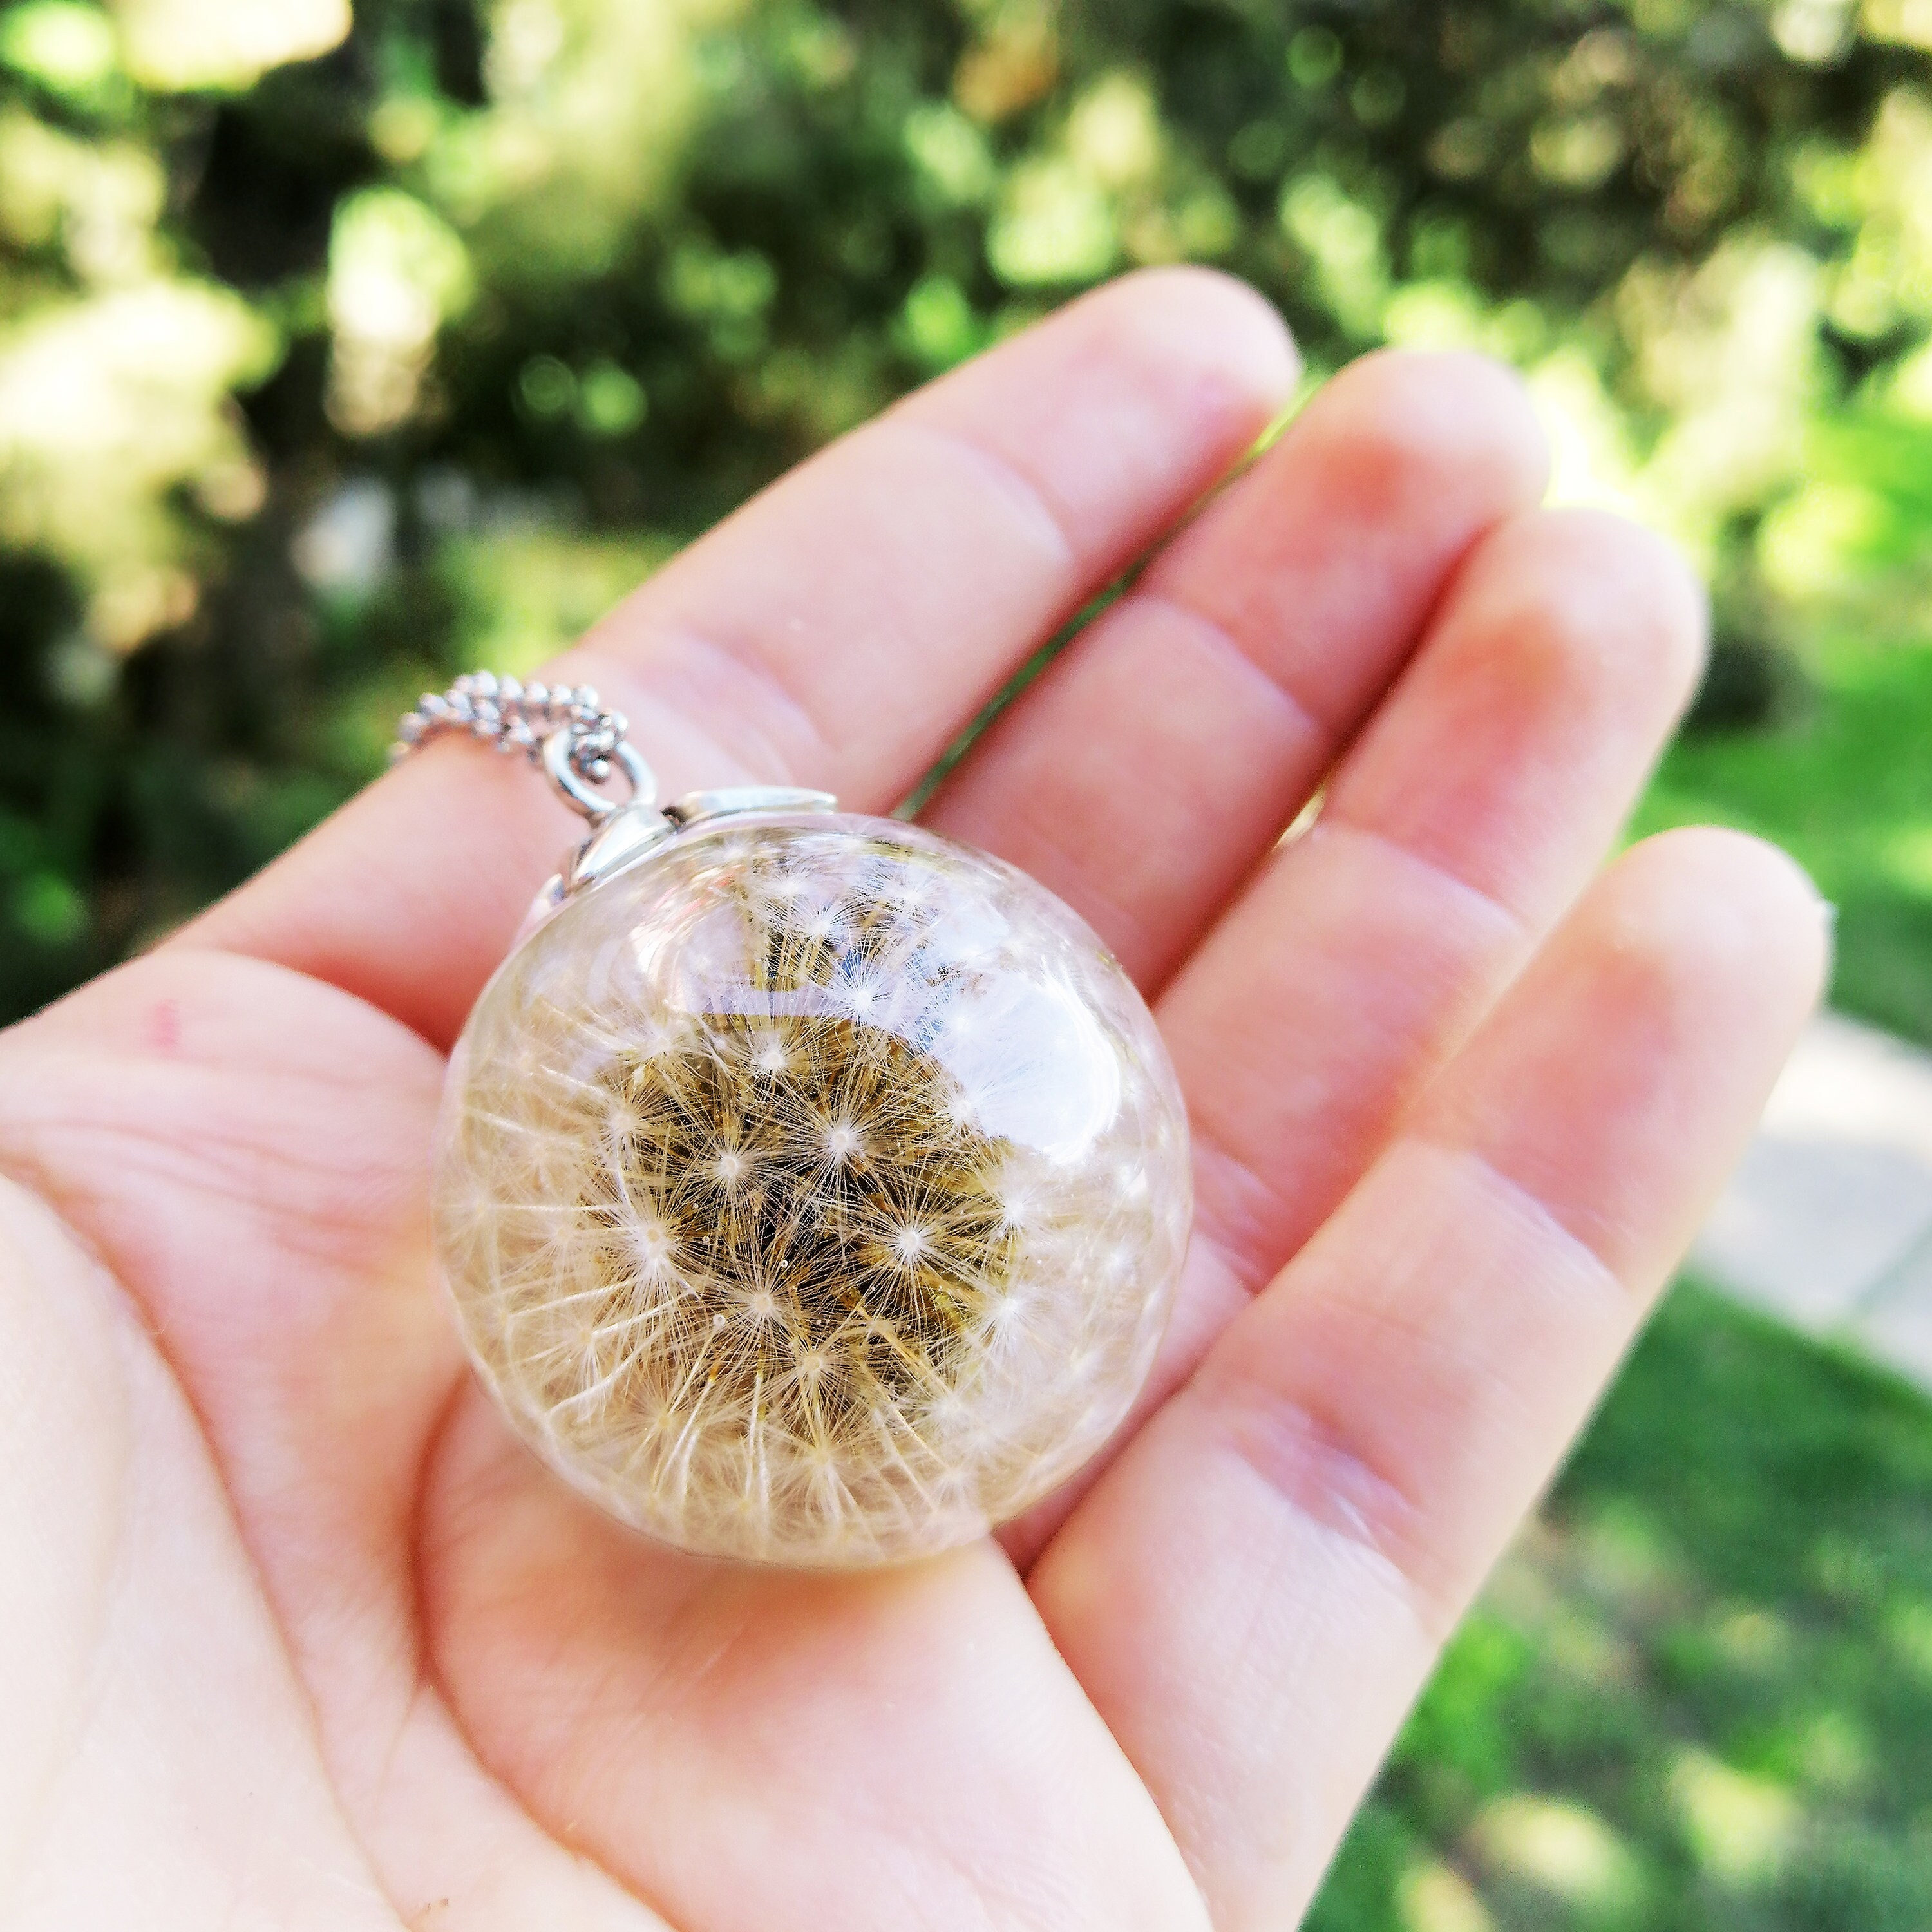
(755,1248)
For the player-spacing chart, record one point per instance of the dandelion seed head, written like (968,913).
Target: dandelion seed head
(744,1210)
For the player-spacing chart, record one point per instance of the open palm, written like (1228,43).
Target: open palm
(293,1633)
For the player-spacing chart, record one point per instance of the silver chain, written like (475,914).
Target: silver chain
(562,728)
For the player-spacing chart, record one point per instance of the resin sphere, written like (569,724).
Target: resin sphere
(812,1191)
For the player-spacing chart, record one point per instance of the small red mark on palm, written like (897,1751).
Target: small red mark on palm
(164,1027)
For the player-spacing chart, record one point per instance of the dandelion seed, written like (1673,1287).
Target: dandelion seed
(1009,1312)
(652,1246)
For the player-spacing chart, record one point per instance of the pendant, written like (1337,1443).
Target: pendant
(810,1188)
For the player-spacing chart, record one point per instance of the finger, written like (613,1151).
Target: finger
(1471,811)
(1275,1560)
(836,632)
(1150,767)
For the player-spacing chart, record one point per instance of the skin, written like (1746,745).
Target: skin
(292,1634)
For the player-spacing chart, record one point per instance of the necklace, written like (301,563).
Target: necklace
(810,1188)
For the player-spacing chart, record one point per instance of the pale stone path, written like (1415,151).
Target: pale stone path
(1829,1221)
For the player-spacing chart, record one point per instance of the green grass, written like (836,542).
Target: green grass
(1845,784)
(1697,1697)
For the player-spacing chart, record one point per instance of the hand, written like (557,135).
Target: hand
(295,1634)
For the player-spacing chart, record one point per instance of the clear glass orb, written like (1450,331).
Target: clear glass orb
(813,1191)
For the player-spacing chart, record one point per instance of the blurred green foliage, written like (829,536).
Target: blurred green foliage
(1842,779)
(337,355)
(1698,1697)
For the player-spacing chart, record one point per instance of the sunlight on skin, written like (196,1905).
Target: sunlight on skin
(413,1662)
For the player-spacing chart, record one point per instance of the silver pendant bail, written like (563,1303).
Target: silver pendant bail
(562,758)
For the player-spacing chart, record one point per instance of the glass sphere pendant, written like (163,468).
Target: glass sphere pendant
(811,1189)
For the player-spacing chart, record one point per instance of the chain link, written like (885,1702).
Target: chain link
(563,729)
